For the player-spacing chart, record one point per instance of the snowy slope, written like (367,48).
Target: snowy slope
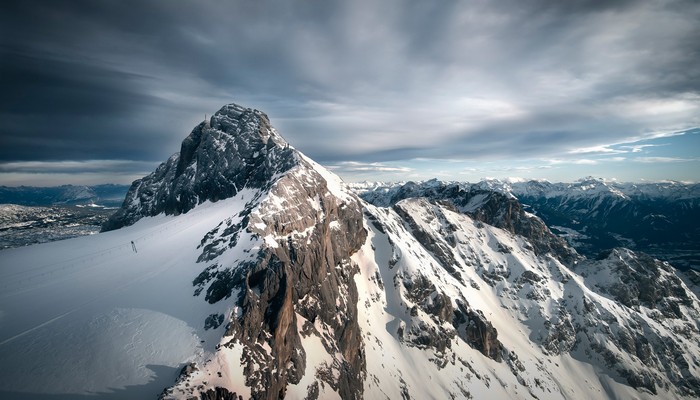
(89,315)
(551,321)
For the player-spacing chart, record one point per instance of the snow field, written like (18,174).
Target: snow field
(89,315)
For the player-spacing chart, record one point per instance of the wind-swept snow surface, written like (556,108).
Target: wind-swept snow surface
(89,315)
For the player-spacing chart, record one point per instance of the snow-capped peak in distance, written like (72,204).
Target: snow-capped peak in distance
(671,190)
(257,273)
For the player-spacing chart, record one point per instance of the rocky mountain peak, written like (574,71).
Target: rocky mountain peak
(236,148)
(282,258)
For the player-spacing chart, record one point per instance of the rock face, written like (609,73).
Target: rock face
(329,296)
(218,393)
(297,231)
(302,282)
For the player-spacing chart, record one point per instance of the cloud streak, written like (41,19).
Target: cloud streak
(363,81)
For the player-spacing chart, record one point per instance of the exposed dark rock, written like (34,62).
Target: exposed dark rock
(418,288)
(477,331)
(495,274)
(531,277)
(213,321)
(218,393)
(640,379)
(312,393)
(424,336)
(562,335)
(692,279)
(440,306)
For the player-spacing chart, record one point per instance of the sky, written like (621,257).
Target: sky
(103,91)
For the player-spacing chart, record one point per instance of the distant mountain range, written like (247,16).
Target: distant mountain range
(107,195)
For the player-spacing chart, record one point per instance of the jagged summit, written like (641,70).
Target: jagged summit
(237,148)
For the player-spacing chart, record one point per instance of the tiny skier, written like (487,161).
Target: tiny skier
(133,247)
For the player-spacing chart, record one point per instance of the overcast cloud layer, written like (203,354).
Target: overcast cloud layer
(386,89)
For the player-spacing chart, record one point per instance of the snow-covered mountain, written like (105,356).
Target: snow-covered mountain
(266,277)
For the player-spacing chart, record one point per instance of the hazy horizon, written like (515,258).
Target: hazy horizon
(506,179)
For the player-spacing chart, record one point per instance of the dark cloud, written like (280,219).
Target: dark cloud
(351,81)
(47,87)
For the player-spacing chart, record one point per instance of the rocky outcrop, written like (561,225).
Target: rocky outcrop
(477,331)
(219,393)
(283,262)
(307,273)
